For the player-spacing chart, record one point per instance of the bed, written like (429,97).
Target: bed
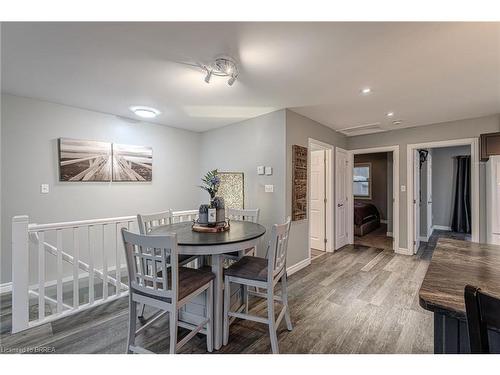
(366,218)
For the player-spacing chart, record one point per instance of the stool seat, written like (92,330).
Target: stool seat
(252,268)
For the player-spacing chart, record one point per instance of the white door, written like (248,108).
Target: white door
(429,193)
(416,200)
(317,199)
(341,198)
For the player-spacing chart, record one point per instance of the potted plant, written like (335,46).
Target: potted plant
(211,183)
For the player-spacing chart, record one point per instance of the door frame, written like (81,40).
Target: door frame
(329,207)
(395,191)
(474,152)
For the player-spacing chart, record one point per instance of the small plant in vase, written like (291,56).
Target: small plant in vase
(211,183)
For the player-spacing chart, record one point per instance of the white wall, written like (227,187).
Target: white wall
(242,147)
(30,129)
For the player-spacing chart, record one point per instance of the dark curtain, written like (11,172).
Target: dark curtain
(461,220)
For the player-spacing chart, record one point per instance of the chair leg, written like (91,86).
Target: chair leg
(131,323)
(271,320)
(173,330)
(245,297)
(210,316)
(227,297)
(141,310)
(284,295)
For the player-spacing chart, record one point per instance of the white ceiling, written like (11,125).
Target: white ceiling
(424,72)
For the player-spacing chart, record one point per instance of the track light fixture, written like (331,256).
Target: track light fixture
(223,66)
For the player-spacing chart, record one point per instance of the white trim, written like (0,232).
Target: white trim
(330,206)
(441,227)
(383,221)
(404,251)
(389,234)
(298,266)
(474,145)
(6,288)
(424,238)
(395,190)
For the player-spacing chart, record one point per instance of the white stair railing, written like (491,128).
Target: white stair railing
(64,243)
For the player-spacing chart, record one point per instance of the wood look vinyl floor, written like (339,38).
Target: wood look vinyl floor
(358,300)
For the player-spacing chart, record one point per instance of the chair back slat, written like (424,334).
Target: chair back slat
(249,214)
(152,263)
(483,312)
(277,248)
(150,221)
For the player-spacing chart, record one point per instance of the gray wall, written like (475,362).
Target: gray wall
(30,129)
(378,163)
(444,131)
(443,182)
(298,131)
(243,146)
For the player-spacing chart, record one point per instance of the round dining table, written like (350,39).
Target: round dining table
(241,235)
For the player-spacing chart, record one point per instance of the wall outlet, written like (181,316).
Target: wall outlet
(44,188)
(403,188)
(269,188)
(260,170)
(269,171)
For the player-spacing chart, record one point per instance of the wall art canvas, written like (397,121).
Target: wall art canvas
(132,163)
(232,189)
(81,160)
(299,183)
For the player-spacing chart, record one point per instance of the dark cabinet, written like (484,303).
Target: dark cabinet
(490,145)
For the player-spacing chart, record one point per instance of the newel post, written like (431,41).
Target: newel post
(20,274)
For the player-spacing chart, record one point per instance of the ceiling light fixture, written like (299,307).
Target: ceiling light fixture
(390,114)
(145,112)
(366,91)
(223,66)
(397,122)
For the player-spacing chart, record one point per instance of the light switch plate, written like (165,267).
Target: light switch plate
(44,188)
(403,188)
(269,188)
(269,171)
(260,169)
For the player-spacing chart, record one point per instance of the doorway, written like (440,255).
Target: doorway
(385,228)
(320,207)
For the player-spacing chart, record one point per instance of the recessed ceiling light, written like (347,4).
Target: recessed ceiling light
(145,112)
(397,122)
(366,91)
(389,114)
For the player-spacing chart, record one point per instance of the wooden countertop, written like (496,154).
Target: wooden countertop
(454,264)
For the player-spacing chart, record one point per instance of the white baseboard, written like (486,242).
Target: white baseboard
(389,234)
(298,266)
(6,288)
(403,251)
(441,227)
(383,221)
(424,238)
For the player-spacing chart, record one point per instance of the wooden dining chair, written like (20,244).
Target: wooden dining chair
(155,279)
(248,214)
(263,274)
(483,312)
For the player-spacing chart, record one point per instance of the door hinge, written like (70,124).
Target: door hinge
(325,200)
(325,240)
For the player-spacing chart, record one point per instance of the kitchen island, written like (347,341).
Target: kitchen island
(455,264)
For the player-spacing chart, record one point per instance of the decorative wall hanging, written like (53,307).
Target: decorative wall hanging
(132,163)
(232,189)
(82,160)
(299,183)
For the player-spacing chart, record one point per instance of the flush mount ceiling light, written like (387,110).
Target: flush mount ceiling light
(390,114)
(397,122)
(145,112)
(366,91)
(223,66)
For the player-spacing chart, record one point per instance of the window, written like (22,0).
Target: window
(361,184)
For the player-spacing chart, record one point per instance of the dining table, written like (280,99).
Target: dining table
(240,236)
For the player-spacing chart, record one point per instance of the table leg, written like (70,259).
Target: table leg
(218,270)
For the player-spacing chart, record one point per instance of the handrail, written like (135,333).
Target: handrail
(79,223)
